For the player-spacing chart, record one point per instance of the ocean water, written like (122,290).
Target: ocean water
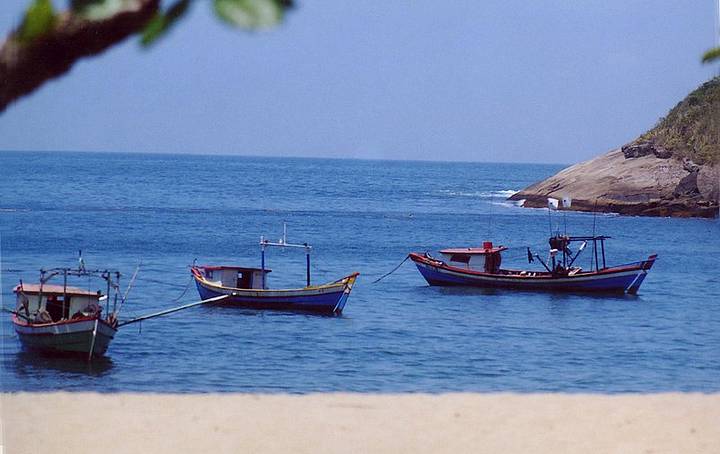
(397,335)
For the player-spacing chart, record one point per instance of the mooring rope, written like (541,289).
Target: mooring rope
(391,272)
(174,309)
(187,286)
(156,281)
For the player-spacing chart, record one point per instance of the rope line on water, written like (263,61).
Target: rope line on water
(187,286)
(391,272)
(155,281)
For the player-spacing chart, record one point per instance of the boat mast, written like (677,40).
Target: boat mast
(40,290)
(283,244)
(106,275)
(117,290)
(262,260)
(307,260)
(64,293)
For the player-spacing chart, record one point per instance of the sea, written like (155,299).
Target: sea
(163,212)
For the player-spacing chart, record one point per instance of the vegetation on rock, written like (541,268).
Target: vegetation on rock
(691,129)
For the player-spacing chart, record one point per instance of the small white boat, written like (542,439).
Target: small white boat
(65,319)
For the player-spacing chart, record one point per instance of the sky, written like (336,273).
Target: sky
(546,81)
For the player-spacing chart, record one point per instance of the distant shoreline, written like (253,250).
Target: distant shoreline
(384,423)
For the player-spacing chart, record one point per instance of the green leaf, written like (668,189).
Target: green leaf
(711,55)
(251,14)
(98,9)
(154,29)
(161,23)
(39,19)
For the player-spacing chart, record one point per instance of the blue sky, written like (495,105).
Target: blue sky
(505,81)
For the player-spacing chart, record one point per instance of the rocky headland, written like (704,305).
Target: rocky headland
(671,170)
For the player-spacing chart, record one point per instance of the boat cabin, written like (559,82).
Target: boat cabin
(53,303)
(486,258)
(235,276)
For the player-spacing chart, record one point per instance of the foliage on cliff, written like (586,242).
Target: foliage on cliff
(692,128)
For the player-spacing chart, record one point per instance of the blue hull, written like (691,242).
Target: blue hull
(626,279)
(302,300)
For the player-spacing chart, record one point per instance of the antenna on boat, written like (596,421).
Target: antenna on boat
(566,203)
(284,238)
(490,216)
(81,261)
(553,204)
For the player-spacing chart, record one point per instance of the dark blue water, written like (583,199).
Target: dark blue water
(395,336)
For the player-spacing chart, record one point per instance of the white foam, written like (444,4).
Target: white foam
(501,194)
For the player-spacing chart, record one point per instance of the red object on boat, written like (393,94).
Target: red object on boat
(487,244)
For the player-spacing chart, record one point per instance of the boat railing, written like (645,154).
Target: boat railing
(637,264)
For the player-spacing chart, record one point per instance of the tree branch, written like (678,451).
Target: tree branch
(24,66)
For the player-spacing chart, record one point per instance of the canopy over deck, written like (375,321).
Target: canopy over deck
(473,250)
(486,257)
(232,268)
(34,289)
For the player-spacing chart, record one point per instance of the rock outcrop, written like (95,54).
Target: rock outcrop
(672,170)
(645,185)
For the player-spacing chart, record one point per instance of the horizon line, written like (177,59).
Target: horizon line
(277,156)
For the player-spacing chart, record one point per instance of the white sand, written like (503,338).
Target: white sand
(360,423)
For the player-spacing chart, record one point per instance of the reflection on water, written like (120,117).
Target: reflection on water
(31,363)
(552,297)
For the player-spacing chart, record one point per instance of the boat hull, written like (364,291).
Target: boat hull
(73,336)
(327,299)
(620,279)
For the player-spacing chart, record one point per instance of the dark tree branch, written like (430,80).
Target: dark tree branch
(24,66)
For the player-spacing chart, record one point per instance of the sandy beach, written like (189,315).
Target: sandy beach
(341,423)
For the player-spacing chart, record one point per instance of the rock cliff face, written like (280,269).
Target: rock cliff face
(672,170)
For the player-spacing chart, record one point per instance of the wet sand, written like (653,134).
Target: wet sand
(360,423)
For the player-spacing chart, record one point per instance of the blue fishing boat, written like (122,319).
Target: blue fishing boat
(247,287)
(481,267)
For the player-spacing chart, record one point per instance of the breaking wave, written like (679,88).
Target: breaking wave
(501,194)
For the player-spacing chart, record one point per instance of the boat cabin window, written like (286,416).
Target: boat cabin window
(244,279)
(57,307)
(236,277)
(460,258)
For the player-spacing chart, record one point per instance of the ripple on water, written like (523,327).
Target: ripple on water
(396,335)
